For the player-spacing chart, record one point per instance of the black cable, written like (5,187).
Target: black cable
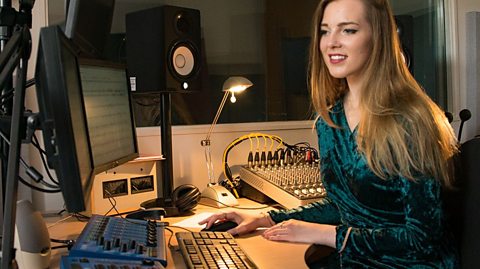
(169,243)
(44,162)
(172,233)
(7,96)
(30,83)
(36,144)
(31,171)
(37,188)
(63,246)
(80,217)
(62,241)
(114,203)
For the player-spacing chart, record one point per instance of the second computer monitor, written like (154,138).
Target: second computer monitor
(109,113)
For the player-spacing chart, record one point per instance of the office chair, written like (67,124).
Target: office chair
(462,204)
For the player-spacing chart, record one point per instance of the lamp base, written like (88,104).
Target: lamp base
(217,196)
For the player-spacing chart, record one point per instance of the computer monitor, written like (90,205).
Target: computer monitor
(88,24)
(62,116)
(86,116)
(109,113)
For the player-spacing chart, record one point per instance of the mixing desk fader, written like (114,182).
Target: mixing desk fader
(124,239)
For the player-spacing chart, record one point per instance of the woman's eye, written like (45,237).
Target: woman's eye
(350,31)
(323,32)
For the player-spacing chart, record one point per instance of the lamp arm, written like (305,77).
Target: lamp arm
(219,111)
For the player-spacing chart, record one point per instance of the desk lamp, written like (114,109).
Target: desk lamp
(215,194)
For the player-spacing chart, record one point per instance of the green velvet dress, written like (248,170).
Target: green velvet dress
(396,223)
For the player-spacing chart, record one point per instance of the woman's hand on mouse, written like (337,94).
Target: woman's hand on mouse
(247,222)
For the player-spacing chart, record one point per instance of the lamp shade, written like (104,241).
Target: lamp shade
(236,84)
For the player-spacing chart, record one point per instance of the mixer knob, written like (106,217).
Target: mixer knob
(151,232)
(108,245)
(101,241)
(116,242)
(151,240)
(133,244)
(139,249)
(124,247)
(312,190)
(304,191)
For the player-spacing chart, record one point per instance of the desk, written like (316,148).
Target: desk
(266,254)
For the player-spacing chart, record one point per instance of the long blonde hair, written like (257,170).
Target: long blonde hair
(402,131)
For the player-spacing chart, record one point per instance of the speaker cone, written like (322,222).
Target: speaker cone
(183,60)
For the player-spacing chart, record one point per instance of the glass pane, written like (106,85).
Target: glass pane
(267,42)
(422,32)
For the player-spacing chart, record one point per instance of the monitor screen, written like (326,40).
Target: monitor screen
(109,114)
(88,24)
(62,113)
(86,116)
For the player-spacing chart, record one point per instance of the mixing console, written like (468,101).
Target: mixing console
(125,239)
(289,185)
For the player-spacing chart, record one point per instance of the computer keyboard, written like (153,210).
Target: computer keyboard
(212,250)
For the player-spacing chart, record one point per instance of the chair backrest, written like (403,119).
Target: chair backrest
(463,204)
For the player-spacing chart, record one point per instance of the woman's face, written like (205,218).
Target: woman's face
(346,39)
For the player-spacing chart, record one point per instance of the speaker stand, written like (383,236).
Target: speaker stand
(164,194)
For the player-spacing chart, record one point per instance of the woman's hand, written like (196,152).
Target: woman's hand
(247,222)
(302,232)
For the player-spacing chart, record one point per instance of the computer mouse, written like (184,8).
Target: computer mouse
(221,226)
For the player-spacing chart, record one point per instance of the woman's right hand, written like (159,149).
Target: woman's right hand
(247,222)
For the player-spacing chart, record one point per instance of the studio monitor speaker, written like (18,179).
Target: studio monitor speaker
(405,32)
(163,49)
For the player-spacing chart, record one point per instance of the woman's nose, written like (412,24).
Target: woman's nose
(333,41)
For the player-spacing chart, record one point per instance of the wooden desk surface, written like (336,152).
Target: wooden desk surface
(266,254)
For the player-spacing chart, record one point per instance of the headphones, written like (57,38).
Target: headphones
(185,197)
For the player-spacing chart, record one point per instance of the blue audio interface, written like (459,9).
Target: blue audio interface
(69,262)
(122,239)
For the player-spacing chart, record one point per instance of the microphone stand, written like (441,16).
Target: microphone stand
(14,56)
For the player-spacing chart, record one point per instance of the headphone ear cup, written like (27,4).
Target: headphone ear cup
(186,197)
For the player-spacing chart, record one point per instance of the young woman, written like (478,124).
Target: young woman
(384,147)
